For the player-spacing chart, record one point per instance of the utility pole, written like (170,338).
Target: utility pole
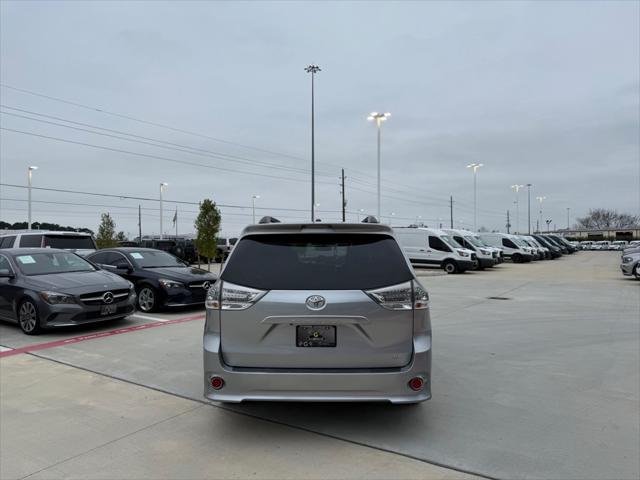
(568,210)
(379,118)
(344,202)
(451,209)
(313,69)
(139,223)
(508,223)
(529,208)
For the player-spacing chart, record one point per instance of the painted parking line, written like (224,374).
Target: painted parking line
(147,317)
(93,336)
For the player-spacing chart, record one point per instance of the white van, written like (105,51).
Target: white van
(586,245)
(542,252)
(487,257)
(601,245)
(618,245)
(513,247)
(430,247)
(80,243)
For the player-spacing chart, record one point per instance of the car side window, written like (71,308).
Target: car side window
(437,244)
(98,257)
(508,243)
(31,241)
(464,243)
(7,242)
(118,260)
(4,263)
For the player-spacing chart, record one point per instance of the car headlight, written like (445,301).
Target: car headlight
(485,252)
(170,284)
(626,259)
(55,298)
(462,253)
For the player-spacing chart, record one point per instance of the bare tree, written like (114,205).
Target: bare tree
(602,218)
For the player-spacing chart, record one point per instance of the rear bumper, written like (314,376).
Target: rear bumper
(317,385)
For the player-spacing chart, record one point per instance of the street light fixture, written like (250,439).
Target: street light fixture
(313,69)
(379,118)
(475,167)
(162,185)
(253,206)
(540,200)
(517,202)
(29,174)
(529,185)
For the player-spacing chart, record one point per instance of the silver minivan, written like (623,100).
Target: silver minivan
(317,312)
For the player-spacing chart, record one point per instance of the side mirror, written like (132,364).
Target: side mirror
(6,273)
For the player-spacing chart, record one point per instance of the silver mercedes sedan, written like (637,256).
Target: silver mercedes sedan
(317,312)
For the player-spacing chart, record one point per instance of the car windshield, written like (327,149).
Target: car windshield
(474,241)
(481,242)
(72,242)
(155,259)
(317,262)
(450,241)
(52,262)
(519,242)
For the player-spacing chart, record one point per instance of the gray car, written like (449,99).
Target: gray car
(317,312)
(631,264)
(46,287)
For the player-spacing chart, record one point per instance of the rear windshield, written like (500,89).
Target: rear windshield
(71,242)
(317,262)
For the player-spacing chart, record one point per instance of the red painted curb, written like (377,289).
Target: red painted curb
(93,336)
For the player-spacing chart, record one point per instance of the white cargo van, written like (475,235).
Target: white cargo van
(430,247)
(487,257)
(511,246)
(80,243)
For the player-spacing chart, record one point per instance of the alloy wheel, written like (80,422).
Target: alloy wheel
(28,317)
(146,299)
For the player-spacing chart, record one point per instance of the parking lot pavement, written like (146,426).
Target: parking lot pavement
(69,423)
(535,375)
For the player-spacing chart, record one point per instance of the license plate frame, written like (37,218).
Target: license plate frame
(316,336)
(108,309)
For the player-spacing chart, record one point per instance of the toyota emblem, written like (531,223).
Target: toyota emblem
(206,285)
(107,297)
(316,302)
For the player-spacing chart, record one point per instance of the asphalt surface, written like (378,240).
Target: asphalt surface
(541,382)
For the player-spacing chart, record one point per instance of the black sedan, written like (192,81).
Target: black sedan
(161,280)
(48,287)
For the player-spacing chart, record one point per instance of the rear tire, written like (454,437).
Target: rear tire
(450,266)
(29,318)
(636,271)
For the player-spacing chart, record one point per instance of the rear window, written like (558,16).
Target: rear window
(317,262)
(71,242)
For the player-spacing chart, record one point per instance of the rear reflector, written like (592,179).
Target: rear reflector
(416,383)
(217,383)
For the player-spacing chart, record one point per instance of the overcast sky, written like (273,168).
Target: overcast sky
(546,93)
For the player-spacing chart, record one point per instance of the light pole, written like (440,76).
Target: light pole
(540,200)
(29,175)
(517,202)
(313,69)
(568,224)
(475,167)
(529,208)
(253,206)
(379,118)
(162,185)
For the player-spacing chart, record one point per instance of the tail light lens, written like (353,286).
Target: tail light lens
(227,296)
(403,296)
(416,384)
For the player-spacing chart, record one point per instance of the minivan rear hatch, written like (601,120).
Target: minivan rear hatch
(314,307)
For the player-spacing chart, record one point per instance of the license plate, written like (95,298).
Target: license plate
(316,335)
(108,309)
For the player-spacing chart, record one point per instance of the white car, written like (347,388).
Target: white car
(81,243)
(601,245)
(513,247)
(618,245)
(430,247)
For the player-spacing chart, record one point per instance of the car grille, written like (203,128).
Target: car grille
(495,254)
(97,298)
(474,256)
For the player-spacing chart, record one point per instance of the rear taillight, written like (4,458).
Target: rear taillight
(227,296)
(416,384)
(404,296)
(217,383)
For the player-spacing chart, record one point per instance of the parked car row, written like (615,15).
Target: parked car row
(607,245)
(456,251)
(51,287)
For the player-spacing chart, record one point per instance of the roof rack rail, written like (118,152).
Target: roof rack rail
(269,220)
(370,219)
